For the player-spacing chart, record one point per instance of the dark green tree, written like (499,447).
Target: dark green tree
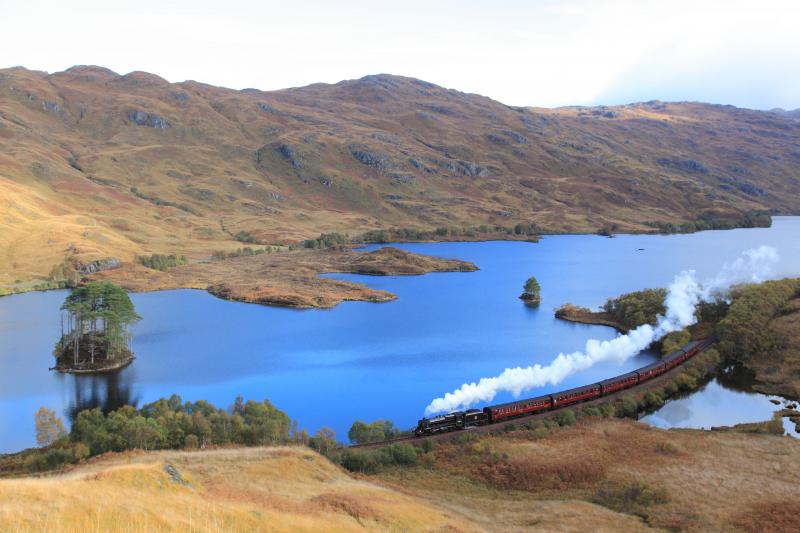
(95,323)
(531,291)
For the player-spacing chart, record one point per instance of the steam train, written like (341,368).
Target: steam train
(550,402)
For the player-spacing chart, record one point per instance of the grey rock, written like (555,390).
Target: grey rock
(265,107)
(289,154)
(516,137)
(402,178)
(174,475)
(371,159)
(50,106)
(497,139)
(471,169)
(108,263)
(440,109)
(142,118)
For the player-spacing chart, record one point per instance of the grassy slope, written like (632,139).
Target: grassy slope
(255,489)
(710,481)
(376,152)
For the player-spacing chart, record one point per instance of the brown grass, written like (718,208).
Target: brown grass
(701,480)
(772,516)
(286,278)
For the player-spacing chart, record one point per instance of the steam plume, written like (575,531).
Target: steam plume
(683,294)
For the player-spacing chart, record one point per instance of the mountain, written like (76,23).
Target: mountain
(100,164)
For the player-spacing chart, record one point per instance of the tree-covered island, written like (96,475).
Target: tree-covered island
(94,329)
(531,292)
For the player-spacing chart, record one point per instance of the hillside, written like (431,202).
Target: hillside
(609,475)
(99,164)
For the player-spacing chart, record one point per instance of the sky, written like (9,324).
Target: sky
(539,52)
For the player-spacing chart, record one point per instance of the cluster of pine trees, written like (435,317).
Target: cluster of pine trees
(94,324)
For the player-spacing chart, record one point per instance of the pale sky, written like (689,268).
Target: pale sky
(539,53)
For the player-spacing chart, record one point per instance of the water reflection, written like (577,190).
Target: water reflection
(108,391)
(723,401)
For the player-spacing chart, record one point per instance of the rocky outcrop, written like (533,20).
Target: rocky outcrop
(109,263)
(530,299)
(142,118)
(465,168)
(375,160)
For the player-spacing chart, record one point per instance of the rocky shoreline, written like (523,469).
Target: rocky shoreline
(582,315)
(97,368)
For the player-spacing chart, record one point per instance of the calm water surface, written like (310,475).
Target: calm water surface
(363,360)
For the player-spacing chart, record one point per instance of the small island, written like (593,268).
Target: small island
(94,329)
(532,292)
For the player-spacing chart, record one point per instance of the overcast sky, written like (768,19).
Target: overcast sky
(541,53)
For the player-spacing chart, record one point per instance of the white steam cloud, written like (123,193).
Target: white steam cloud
(683,294)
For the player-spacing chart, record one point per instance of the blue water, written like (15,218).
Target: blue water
(363,360)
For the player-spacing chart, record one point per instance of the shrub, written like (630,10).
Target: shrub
(427,446)
(565,417)
(540,433)
(592,411)
(363,461)
(627,407)
(160,261)
(327,240)
(402,454)
(630,498)
(666,448)
(372,461)
(685,382)
(608,410)
(246,236)
(653,399)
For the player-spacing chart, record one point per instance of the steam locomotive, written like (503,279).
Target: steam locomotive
(550,402)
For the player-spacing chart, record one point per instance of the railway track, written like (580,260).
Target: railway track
(516,421)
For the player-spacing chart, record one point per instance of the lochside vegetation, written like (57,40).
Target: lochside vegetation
(169,423)
(710,221)
(161,261)
(637,308)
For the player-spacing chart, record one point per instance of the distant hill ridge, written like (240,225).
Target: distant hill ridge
(109,165)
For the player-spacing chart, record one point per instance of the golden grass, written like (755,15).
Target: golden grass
(706,481)
(257,489)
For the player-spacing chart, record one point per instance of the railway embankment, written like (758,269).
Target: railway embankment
(632,402)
